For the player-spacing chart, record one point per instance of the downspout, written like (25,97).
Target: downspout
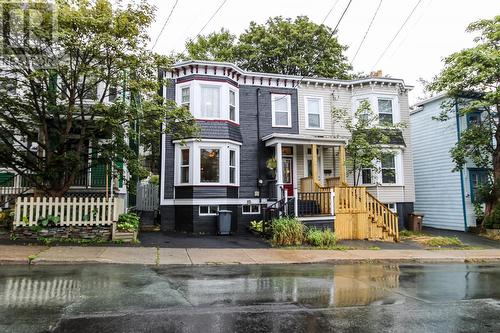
(457,116)
(259,180)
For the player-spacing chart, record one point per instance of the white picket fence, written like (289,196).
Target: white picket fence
(148,199)
(71,211)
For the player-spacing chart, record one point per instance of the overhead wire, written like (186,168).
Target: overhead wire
(397,33)
(165,24)
(341,17)
(366,33)
(330,11)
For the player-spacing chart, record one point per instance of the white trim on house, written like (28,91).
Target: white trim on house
(212,201)
(210,140)
(274,99)
(301,139)
(320,112)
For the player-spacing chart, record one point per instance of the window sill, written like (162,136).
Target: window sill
(278,126)
(208,184)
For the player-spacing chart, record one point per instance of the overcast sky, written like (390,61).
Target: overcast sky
(436,28)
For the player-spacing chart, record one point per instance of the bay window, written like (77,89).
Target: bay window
(281,110)
(210,102)
(209,165)
(314,112)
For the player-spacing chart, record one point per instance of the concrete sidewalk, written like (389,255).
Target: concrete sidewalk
(14,254)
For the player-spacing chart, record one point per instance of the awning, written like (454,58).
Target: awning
(301,139)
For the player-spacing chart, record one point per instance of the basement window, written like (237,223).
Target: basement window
(250,209)
(208,210)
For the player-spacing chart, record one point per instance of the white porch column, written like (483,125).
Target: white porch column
(296,202)
(279,170)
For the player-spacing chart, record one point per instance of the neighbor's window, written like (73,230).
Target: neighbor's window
(209,210)
(365,116)
(385,111)
(388,165)
(313,112)
(185,97)
(473,118)
(184,166)
(281,110)
(232,167)
(232,105)
(478,178)
(210,102)
(113,93)
(366,176)
(7,179)
(209,165)
(250,209)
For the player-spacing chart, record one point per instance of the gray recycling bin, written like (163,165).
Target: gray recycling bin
(224,222)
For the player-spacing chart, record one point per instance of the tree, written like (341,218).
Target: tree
(83,88)
(368,140)
(284,46)
(470,79)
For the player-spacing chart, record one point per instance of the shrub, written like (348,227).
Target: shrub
(287,232)
(321,238)
(493,219)
(128,222)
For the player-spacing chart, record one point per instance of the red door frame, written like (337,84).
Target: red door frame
(288,186)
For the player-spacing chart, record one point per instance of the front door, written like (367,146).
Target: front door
(288,175)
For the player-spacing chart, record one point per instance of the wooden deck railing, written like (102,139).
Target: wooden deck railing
(71,211)
(360,215)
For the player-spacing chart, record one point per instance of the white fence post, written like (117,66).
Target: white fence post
(296,202)
(332,202)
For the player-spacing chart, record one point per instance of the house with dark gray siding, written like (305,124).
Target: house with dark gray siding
(268,144)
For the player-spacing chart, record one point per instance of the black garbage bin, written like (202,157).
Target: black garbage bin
(224,222)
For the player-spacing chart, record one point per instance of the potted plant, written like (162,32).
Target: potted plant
(271,165)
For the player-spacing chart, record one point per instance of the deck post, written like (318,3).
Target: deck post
(279,170)
(332,201)
(296,202)
(342,170)
(314,155)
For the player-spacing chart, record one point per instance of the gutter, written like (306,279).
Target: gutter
(259,180)
(457,116)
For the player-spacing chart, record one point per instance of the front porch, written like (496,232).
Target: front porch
(311,184)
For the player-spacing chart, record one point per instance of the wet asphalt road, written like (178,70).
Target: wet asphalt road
(274,298)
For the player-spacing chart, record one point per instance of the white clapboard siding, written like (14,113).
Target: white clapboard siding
(71,211)
(148,199)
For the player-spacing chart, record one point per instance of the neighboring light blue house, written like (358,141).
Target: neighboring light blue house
(443,196)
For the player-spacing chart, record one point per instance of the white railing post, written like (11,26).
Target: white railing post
(285,202)
(332,202)
(296,202)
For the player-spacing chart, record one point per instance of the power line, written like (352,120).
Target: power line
(330,11)
(165,24)
(397,33)
(211,17)
(367,30)
(341,17)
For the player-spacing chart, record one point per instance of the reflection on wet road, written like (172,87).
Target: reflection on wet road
(308,298)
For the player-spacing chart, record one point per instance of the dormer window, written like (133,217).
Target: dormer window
(210,102)
(185,97)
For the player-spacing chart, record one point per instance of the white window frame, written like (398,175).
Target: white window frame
(232,167)
(288,98)
(373,100)
(209,213)
(398,165)
(195,145)
(219,90)
(394,209)
(392,108)
(373,176)
(250,207)
(195,99)
(186,104)
(320,109)
(231,105)
(188,166)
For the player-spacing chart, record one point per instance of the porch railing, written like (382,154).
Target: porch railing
(70,211)
(315,203)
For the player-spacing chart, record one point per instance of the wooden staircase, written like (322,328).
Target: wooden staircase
(359,215)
